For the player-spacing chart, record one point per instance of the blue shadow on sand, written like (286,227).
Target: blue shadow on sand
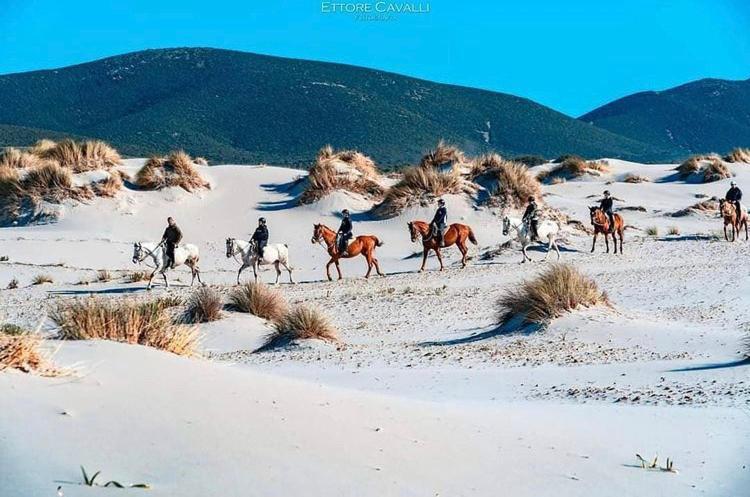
(717,365)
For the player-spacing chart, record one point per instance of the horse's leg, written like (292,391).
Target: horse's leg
(289,269)
(425,253)
(525,254)
(192,274)
(726,238)
(622,235)
(593,246)
(464,251)
(377,266)
(198,274)
(242,268)
(255,270)
(164,275)
(151,279)
(745,229)
(368,258)
(440,258)
(606,241)
(278,272)
(328,272)
(549,247)
(557,249)
(338,268)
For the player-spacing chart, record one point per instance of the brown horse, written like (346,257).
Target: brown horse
(729,213)
(456,234)
(600,221)
(364,245)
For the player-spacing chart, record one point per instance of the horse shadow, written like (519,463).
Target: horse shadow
(717,365)
(104,291)
(514,326)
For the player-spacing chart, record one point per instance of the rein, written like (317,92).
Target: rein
(150,252)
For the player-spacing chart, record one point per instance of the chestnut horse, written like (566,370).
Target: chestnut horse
(729,213)
(363,244)
(455,234)
(600,221)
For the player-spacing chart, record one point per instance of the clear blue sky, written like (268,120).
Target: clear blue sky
(570,55)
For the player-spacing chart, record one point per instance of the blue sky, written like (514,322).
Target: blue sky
(570,55)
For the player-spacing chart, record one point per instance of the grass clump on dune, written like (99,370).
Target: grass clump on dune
(419,186)
(109,187)
(538,301)
(16,159)
(738,155)
(301,323)
(204,306)
(703,169)
(573,167)
(347,170)
(709,206)
(12,284)
(176,169)
(443,155)
(146,323)
(258,300)
(20,350)
(79,156)
(636,178)
(41,279)
(509,183)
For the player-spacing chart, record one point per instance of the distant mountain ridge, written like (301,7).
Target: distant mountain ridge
(708,115)
(241,107)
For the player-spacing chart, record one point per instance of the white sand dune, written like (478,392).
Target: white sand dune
(422,397)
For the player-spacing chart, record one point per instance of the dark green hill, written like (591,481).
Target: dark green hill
(710,115)
(241,107)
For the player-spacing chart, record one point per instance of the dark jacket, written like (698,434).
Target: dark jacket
(346,226)
(530,212)
(606,204)
(734,194)
(172,235)
(441,216)
(261,234)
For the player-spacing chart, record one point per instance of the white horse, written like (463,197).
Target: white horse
(183,254)
(276,254)
(547,230)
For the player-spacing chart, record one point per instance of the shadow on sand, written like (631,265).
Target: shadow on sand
(105,291)
(717,365)
(513,327)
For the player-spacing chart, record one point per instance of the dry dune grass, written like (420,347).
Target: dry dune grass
(573,167)
(419,186)
(80,156)
(109,187)
(301,323)
(739,155)
(176,169)
(347,170)
(204,305)
(443,154)
(145,323)
(709,206)
(41,279)
(21,351)
(706,168)
(636,178)
(16,159)
(259,300)
(558,290)
(511,182)
(41,147)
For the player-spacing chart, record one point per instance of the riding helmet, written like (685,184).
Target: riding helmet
(262,220)
(606,192)
(345,212)
(441,202)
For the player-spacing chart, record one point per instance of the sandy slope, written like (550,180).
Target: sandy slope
(422,397)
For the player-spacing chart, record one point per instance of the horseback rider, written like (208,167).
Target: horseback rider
(531,218)
(345,231)
(734,195)
(171,238)
(260,237)
(605,205)
(440,222)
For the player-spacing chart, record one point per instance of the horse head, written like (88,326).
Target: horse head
(230,247)
(137,251)
(317,233)
(413,231)
(593,213)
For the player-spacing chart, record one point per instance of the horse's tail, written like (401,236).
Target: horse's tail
(472,238)
(378,243)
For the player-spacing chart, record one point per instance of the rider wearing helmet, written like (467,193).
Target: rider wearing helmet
(605,204)
(734,195)
(260,237)
(531,218)
(440,221)
(345,231)
(171,238)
